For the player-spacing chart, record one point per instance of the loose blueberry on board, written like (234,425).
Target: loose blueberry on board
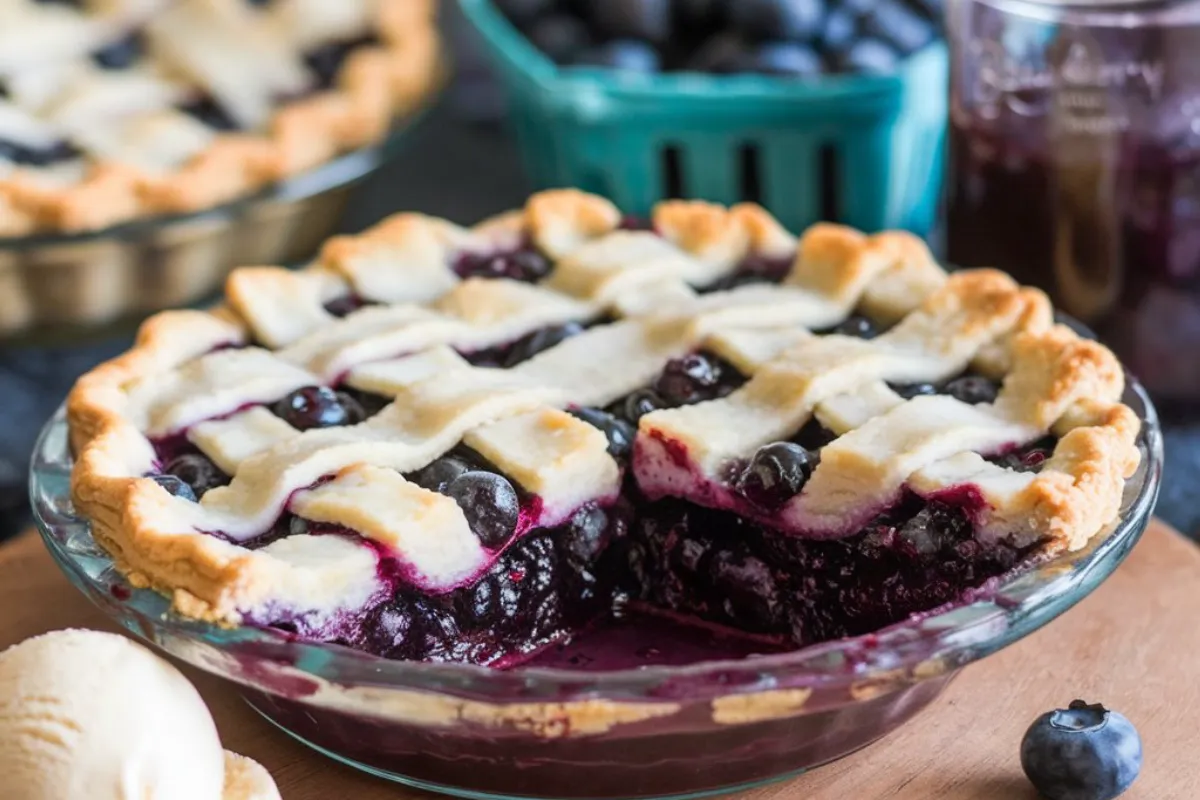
(319,407)
(197,471)
(798,20)
(559,36)
(870,57)
(856,325)
(625,55)
(490,504)
(973,389)
(641,403)
(776,473)
(175,486)
(441,473)
(529,346)
(620,433)
(689,379)
(646,20)
(1082,752)
(784,59)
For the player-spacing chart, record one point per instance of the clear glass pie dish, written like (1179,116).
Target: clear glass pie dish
(661,731)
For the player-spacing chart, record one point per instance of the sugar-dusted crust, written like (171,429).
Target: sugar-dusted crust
(376,85)
(1053,379)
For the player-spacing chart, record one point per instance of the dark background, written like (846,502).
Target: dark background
(459,164)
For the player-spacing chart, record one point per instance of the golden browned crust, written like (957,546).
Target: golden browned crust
(1057,379)
(374,87)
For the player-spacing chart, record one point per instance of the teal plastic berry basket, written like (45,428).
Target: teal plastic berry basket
(863,150)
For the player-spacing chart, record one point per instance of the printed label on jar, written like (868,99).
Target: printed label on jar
(1066,74)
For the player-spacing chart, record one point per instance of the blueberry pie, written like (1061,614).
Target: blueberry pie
(468,444)
(111,109)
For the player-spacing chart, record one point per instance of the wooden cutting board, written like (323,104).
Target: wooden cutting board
(1134,645)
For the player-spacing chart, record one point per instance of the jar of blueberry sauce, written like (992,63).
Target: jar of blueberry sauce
(1075,166)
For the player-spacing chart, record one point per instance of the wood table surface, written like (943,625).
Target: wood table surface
(1133,645)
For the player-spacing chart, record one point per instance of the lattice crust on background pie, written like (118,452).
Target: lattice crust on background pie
(137,151)
(641,290)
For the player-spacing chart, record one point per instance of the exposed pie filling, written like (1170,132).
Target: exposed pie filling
(528,428)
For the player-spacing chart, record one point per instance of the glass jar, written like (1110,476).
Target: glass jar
(1075,166)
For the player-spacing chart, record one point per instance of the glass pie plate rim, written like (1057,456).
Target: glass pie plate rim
(920,647)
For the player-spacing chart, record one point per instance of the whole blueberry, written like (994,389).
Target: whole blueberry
(895,23)
(175,486)
(120,54)
(690,379)
(524,10)
(785,59)
(776,473)
(620,433)
(586,536)
(197,471)
(626,55)
(206,109)
(973,389)
(910,390)
(647,20)
(721,53)
(319,407)
(751,597)
(856,325)
(529,346)
(1082,752)
(641,403)
(870,57)
(490,504)
(798,20)
(837,33)
(559,36)
(387,628)
(439,474)
(700,14)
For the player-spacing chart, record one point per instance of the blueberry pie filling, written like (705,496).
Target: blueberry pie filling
(470,445)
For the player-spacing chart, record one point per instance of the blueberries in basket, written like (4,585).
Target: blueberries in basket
(786,59)
(894,22)
(782,38)
(521,11)
(1082,752)
(798,20)
(722,53)
(870,57)
(647,20)
(837,33)
(625,55)
(560,36)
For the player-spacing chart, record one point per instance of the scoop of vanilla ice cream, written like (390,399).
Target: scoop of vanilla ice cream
(93,716)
